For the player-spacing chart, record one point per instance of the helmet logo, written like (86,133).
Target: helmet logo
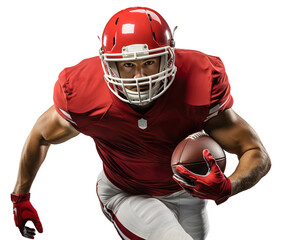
(128,28)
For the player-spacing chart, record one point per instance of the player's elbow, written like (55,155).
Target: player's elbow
(261,162)
(265,163)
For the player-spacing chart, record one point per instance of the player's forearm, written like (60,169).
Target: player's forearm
(253,165)
(49,129)
(32,157)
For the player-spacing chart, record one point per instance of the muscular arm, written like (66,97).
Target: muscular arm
(236,136)
(49,129)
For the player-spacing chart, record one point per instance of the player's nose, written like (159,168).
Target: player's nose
(139,73)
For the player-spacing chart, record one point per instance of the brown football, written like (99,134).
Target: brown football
(189,153)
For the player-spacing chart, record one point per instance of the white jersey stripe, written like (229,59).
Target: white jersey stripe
(67,116)
(65,113)
(218,106)
(215,110)
(71,121)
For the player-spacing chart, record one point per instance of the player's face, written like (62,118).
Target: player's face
(138,68)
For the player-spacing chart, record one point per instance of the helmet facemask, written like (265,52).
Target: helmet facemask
(156,84)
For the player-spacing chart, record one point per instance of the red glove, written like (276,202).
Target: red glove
(23,212)
(214,185)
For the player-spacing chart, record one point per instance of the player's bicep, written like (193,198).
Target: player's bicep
(51,128)
(233,133)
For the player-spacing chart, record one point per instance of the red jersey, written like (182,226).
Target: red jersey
(136,148)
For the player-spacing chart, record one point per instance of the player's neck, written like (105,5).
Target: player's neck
(142,109)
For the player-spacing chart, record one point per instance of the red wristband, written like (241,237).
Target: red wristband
(19,198)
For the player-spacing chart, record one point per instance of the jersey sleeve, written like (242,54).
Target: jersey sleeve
(60,98)
(221,98)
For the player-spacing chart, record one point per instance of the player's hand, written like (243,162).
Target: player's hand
(23,212)
(214,185)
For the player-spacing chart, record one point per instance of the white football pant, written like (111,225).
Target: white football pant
(177,216)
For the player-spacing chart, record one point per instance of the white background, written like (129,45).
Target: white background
(40,38)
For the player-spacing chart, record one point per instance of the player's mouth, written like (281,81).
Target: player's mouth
(141,88)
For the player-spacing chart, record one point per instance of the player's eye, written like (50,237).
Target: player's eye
(149,62)
(128,65)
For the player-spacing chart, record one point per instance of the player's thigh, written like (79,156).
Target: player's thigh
(138,217)
(150,219)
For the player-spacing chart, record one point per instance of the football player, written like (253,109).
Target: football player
(138,100)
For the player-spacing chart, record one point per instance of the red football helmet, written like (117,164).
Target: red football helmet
(133,34)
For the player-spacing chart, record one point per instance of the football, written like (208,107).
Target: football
(189,153)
